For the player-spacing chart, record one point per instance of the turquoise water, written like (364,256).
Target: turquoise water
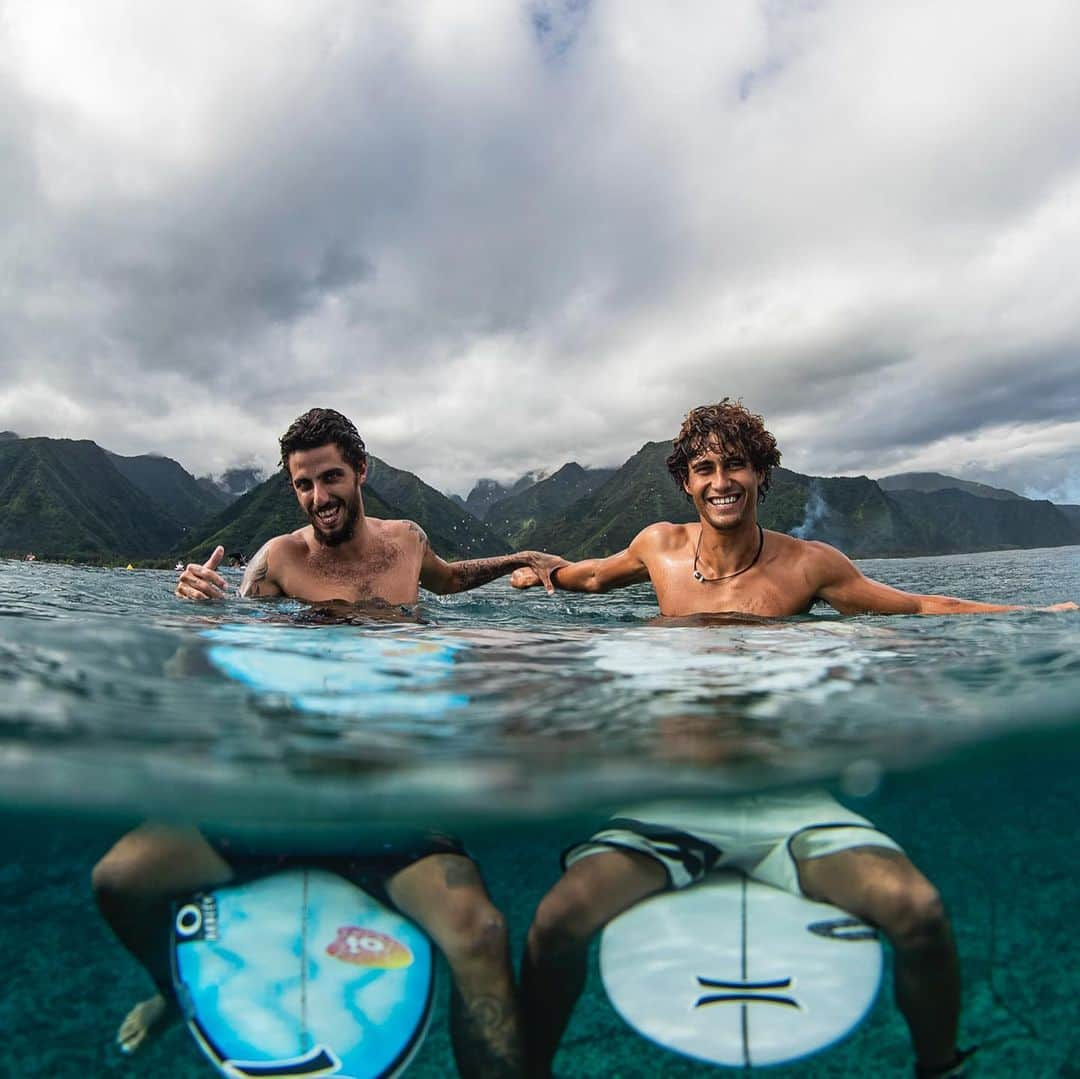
(518,720)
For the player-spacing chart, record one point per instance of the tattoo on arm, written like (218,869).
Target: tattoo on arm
(478,571)
(414,527)
(256,573)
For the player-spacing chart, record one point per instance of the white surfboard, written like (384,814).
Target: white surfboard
(738,973)
(301,974)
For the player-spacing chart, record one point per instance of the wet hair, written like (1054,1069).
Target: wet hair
(730,426)
(321,427)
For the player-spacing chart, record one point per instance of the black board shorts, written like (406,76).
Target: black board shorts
(370,868)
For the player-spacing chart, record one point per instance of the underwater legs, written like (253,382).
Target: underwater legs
(134,885)
(445,895)
(591,892)
(882,887)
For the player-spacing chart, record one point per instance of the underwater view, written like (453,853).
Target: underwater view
(520,722)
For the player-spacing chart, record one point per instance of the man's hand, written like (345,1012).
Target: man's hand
(1068,605)
(202,582)
(541,566)
(525,578)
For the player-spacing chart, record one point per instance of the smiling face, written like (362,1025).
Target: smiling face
(723,487)
(328,490)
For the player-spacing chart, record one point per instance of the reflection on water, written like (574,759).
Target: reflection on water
(519,721)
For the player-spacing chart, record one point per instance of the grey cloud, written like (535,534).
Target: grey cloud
(548,235)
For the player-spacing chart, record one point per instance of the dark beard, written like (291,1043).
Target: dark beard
(340,535)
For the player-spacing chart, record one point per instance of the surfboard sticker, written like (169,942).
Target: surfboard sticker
(738,973)
(340,670)
(301,974)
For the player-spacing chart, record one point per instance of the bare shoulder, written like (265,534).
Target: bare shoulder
(262,571)
(662,536)
(399,532)
(820,562)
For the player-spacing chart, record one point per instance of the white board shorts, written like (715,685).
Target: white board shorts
(760,834)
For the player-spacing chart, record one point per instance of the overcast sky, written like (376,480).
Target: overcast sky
(503,236)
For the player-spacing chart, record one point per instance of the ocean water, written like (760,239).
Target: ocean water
(519,720)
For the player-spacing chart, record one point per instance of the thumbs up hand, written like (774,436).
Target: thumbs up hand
(203,582)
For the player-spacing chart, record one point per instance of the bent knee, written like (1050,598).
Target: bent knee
(472,930)
(564,921)
(912,916)
(115,878)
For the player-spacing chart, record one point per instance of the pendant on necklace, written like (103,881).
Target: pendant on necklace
(698,575)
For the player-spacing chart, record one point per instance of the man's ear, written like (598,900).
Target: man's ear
(361,473)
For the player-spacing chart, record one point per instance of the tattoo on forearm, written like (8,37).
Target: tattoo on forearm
(478,571)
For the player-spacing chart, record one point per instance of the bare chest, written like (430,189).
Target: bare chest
(766,591)
(386,574)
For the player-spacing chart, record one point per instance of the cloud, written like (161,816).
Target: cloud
(502,237)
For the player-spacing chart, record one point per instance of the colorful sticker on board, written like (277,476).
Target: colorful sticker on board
(367,948)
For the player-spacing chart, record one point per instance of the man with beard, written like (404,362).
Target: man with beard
(342,555)
(805,842)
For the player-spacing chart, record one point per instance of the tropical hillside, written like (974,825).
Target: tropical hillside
(68,499)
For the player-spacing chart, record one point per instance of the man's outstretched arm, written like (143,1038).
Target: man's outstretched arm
(443,578)
(844,587)
(595,574)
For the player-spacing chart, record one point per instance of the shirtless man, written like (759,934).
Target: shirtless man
(723,458)
(341,555)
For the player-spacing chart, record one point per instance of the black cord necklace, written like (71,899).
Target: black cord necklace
(727,576)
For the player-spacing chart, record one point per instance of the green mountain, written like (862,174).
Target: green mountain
(1072,513)
(66,499)
(452,532)
(488,493)
(390,493)
(232,483)
(935,481)
(482,497)
(176,492)
(852,513)
(964,522)
(606,520)
(517,516)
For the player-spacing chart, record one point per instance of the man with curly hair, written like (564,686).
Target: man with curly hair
(340,555)
(805,842)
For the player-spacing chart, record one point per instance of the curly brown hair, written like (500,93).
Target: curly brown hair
(730,426)
(321,427)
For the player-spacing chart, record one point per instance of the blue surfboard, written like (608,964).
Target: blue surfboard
(340,670)
(301,974)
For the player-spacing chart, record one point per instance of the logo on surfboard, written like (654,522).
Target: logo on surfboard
(369,948)
(198,920)
(770,992)
(843,929)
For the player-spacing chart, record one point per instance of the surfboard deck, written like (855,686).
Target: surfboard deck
(739,973)
(340,670)
(301,974)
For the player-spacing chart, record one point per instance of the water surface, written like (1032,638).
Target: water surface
(520,719)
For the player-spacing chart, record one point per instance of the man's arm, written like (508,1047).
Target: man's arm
(443,578)
(597,574)
(843,586)
(257,580)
